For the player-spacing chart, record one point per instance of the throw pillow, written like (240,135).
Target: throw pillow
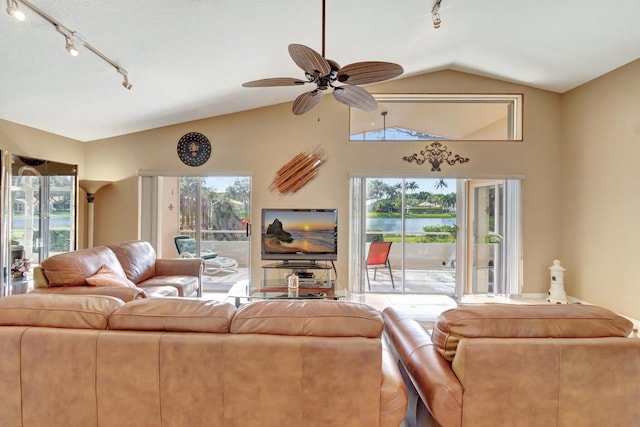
(107,277)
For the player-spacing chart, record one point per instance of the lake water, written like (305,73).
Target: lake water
(412,225)
(53,222)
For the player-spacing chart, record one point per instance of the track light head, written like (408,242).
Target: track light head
(13,10)
(435,12)
(436,20)
(125,77)
(71,47)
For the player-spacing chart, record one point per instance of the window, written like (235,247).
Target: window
(407,117)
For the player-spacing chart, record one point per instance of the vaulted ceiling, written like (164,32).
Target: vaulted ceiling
(187,59)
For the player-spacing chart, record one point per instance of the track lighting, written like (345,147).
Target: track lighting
(435,13)
(13,10)
(72,38)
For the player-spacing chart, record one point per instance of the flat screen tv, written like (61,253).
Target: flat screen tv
(300,234)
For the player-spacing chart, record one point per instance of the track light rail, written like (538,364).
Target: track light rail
(72,38)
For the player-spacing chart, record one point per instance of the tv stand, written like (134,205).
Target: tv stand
(324,283)
(311,264)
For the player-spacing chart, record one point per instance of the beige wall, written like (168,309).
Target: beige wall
(579,158)
(601,190)
(258,142)
(30,142)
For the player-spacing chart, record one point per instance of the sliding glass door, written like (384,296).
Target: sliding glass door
(448,236)
(212,210)
(418,217)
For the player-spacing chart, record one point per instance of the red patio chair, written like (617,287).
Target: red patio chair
(378,257)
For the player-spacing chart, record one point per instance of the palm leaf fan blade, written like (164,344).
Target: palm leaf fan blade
(309,60)
(306,101)
(276,81)
(362,73)
(356,97)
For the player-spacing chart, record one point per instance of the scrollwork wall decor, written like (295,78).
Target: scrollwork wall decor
(436,154)
(298,171)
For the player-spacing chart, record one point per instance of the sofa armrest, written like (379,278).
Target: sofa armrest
(431,374)
(437,385)
(179,267)
(121,292)
(393,393)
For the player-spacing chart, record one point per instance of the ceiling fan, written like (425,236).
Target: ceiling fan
(325,74)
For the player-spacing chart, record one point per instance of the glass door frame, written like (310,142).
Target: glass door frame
(512,243)
(35,250)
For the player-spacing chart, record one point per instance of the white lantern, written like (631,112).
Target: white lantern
(557,294)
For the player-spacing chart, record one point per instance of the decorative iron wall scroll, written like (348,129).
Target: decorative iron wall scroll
(298,171)
(436,154)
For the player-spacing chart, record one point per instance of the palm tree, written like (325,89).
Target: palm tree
(451,200)
(440,185)
(411,186)
(376,190)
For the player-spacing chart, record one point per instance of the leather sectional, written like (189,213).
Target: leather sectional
(518,365)
(76,361)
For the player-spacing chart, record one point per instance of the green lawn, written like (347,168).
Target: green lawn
(399,215)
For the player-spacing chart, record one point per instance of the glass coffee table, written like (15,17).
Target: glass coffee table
(241,291)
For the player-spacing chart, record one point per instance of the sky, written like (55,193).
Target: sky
(221,183)
(425,184)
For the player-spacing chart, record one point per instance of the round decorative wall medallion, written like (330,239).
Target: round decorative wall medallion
(194,149)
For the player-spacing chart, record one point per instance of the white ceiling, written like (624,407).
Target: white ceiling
(187,59)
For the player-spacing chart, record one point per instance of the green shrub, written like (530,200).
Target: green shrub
(374,237)
(439,238)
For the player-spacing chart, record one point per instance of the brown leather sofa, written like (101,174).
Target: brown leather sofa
(143,275)
(519,365)
(76,361)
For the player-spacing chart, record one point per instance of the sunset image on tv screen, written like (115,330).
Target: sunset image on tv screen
(300,231)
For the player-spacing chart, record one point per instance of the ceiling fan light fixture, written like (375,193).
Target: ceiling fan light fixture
(14,10)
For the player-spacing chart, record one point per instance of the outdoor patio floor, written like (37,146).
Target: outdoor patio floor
(436,281)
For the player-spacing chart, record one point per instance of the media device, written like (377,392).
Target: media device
(293,235)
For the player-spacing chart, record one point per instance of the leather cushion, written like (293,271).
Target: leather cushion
(173,315)
(58,311)
(525,321)
(186,285)
(137,258)
(309,318)
(107,277)
(72,268)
